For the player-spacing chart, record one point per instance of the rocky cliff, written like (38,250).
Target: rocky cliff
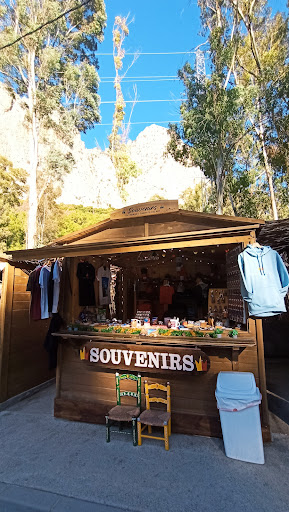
(92,181)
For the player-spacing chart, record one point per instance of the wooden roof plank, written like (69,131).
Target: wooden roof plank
(102,249)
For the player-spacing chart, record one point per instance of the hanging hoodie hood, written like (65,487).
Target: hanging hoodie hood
(259,253)
(264,281)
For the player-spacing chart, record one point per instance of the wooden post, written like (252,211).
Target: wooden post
(262,373)
(5,326)
(124,317)
(235,358)
(58,370)
(74,286)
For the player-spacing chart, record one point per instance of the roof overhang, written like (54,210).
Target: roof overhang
(222,236)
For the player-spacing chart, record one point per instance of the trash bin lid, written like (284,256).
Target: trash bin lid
(237,385)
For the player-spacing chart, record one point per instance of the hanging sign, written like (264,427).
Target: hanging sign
(146,358)
(144,209)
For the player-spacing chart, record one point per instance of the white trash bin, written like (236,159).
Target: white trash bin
(238,400)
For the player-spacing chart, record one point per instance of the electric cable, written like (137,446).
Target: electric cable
(142,101)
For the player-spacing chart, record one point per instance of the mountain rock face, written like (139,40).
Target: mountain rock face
(92,181)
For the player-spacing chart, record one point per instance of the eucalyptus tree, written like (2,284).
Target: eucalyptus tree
(212,116)
(261,67)
(55,71)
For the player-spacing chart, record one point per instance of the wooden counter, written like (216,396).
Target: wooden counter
(85,391)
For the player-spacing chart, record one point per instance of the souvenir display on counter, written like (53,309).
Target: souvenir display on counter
(101,314)
(217,304)
(142,315)
(104,278)
(87,316)
(264,280)
(236,306)
(86,278)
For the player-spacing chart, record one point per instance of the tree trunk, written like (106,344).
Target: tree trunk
(220,182)
(269,173)
(32,182)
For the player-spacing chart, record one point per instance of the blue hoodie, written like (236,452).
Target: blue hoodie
(264,281)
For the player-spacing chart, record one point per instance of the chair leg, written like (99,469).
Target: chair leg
(166,435)
(150,430)
(139,432)
(107,424)
(170,427)
(134,432)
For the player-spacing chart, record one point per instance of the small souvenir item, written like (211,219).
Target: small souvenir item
(175,323)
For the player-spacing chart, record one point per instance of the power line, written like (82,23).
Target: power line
(141,122)
(149,53)
(142,101)
(144,76)
(124,81)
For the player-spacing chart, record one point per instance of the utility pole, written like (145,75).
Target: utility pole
(200,65)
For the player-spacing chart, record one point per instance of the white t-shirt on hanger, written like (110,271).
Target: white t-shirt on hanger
(104,278)
(44,284)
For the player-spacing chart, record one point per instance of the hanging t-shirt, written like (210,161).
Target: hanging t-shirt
(86,277)
(34,287)
(166,294)
(56,271)
(44,285)
(104,278)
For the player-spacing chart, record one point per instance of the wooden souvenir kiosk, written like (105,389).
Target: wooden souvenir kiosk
(175,246)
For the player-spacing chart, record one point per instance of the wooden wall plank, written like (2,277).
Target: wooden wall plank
(6,320)
(192,396)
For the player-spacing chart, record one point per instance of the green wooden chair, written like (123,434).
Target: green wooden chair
(124,413)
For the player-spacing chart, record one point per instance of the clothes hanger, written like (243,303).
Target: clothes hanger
(256,244)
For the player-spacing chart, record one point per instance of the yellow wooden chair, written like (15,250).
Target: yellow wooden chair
(155,417)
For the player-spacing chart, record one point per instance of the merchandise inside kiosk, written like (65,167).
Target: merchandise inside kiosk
(191,289)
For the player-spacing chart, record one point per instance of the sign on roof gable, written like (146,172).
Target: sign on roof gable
(144,209)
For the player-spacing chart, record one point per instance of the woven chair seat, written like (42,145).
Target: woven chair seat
(154,417)
(123,413)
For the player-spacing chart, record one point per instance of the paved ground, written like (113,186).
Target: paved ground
(50,464)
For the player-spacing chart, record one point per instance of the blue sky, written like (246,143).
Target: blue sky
(158,26)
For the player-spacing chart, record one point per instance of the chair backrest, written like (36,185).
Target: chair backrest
(135,394)
(149,399)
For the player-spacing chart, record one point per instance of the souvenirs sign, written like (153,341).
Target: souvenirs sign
(146,358)
(144,209)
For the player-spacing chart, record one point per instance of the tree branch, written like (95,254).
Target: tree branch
(49,22)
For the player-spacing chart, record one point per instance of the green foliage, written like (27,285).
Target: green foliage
(199,334)
(212,118)
(125,168)
(76,217)
(198,199)
(12,189)
(157,197)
